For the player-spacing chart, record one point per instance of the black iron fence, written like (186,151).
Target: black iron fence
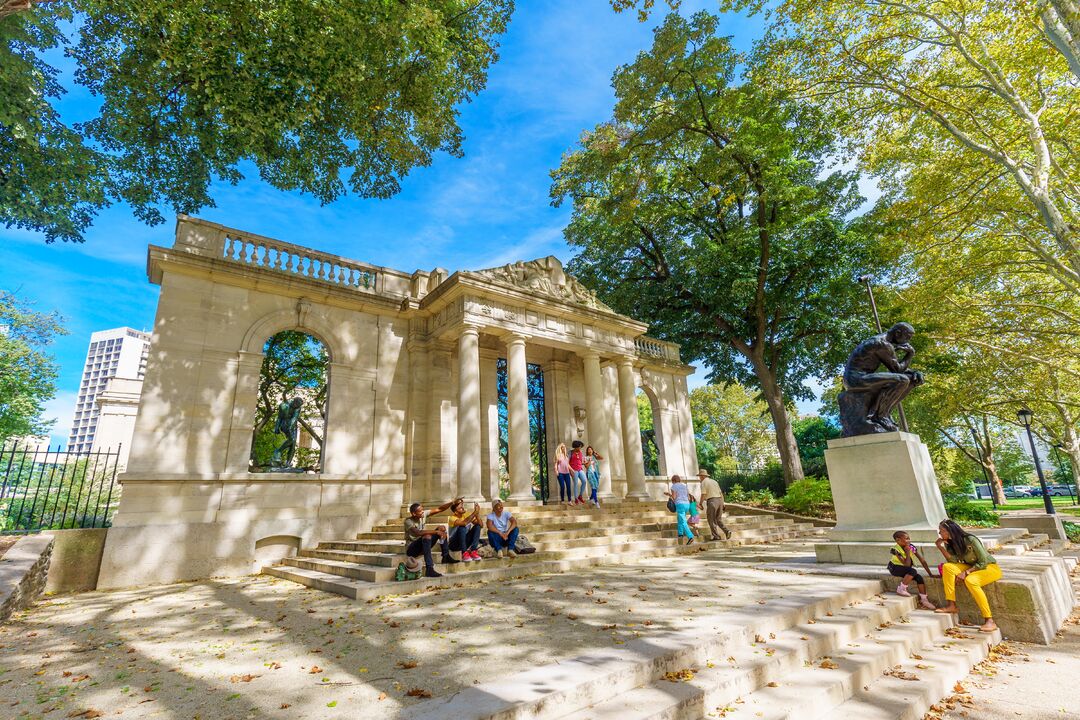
(47,489)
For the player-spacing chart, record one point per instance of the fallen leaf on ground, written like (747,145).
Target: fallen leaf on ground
(418,692)
(382,696)
(314,669)
(407,665)
(828,664)
(88,713)
(242,678)
(684,675)
(284,706)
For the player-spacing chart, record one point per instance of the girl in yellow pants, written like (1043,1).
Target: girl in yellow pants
(967,561)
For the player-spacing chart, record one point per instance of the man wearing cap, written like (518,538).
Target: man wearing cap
(712,501)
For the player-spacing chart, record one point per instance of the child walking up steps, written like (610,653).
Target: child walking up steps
(902,565)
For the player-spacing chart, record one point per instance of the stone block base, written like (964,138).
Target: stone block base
(76,560)
(1035,523)
(23,570)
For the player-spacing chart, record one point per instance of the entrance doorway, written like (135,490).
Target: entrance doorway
(538,459)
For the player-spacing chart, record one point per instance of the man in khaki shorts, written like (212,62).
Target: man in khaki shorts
(712,501)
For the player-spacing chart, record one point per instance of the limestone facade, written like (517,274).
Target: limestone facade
(412,407)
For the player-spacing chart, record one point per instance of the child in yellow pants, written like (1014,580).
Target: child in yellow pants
(967,561)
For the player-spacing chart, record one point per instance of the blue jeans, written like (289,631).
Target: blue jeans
(681,511)
(565,486)
(465,539)
(497,543)
(592,493)
(583,482)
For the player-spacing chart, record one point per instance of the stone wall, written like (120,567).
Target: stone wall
(23,572)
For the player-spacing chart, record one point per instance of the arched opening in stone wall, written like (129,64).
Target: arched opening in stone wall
(650,438)
(290,412)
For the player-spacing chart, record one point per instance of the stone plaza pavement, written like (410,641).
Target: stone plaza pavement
(261,647)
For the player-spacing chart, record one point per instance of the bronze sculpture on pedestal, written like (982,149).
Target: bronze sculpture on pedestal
(869,396)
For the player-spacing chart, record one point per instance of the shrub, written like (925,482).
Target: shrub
(810,496)
(962,510)
(739,494)
(1072,531)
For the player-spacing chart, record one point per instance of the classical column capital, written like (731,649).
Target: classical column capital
(515,339)
(470,329)
(589,354)
(626,361)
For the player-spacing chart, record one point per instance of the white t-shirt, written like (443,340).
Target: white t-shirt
(500,522)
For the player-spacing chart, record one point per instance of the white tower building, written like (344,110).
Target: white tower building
(119,353)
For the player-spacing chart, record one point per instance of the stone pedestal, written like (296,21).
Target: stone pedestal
(880,484)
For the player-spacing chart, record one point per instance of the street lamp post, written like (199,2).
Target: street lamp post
(982,464)
(1061,469)
(1025,416)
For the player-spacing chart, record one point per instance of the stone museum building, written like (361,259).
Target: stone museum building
(420,369)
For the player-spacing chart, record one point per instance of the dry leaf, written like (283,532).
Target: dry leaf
(408,665)
(642,588)
(382,696)
(773,684)
(314,669)
(242,678)
(284,706)
(90,713)
(418,692)
(828,664)
(684,675)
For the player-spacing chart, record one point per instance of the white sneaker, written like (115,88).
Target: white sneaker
(503,553)
(511,553)
(902,590)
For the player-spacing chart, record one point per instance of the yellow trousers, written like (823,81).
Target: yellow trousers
(975,581)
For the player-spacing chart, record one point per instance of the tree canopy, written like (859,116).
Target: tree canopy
(735,424)
(707,207)
(319,97)
(27,372)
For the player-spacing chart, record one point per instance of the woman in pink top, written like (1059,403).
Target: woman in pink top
(577,469)
(562,471)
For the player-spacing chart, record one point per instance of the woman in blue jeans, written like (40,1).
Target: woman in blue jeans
(680,493)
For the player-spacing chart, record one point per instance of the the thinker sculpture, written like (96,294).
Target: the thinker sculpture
(288,419)
(869,396)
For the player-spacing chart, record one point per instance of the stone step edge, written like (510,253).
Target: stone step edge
(362,590)
(888,698)
(723,683)
(570,685)
(812,691)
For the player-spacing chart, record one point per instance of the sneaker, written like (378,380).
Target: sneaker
(925,604)
(511,553)
(690,541)
(466,557)
(447,560)
(476,556)
(902,590)
(431,573)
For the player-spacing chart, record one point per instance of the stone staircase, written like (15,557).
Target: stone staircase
(855,654)
(564,536)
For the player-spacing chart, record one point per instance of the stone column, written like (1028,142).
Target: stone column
(635,471)
(517,415)
(597,419)
(468,416)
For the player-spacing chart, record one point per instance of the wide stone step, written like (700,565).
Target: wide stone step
(588,521)
(601,677)
(465,573)
(942,666)
(860,639)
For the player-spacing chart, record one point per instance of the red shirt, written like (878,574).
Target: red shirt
(576,461)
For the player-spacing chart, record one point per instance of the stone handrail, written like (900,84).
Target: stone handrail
(267,254)
(648,347)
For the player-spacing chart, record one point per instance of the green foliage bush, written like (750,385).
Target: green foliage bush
(962,510)
(1072,531)
(770,479)
(739,494)
(810,496)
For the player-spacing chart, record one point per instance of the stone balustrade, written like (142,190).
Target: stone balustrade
(652,348)
(263,253)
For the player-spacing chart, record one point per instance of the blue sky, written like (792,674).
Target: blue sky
(488,208)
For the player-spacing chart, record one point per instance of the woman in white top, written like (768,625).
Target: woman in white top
(562,471)
(680,493)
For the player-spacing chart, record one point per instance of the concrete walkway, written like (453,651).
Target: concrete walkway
(260,647)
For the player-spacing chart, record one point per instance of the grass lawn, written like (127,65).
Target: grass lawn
(1063,505)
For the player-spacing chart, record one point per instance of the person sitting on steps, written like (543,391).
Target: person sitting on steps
(902,565)
(967,561)
(465,530)
(502,530)
(419,538)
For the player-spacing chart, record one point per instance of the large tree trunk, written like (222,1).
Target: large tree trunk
(785,437)
(987,443)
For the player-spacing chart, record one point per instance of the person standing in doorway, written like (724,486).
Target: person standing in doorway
(592,472)
(680,495)
(577,469)
(562,472)
(711,500)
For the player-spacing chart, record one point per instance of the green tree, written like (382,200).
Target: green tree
(27,372)
(319,97)
(813,434)
(962,109)
(735,424)
(294,365)
(708,209)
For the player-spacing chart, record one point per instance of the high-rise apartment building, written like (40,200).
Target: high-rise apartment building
(117,353)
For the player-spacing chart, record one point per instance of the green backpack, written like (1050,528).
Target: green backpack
(402,574)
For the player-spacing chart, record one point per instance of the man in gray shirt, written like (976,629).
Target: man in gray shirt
(712,501)
(418,538)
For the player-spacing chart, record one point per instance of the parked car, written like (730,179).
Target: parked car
(1019,491)
(1059,490)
